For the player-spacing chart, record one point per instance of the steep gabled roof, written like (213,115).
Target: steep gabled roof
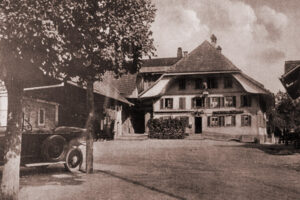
(126,84)
(205,58)
(107,90)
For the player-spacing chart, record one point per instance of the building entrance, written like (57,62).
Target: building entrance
(198,125)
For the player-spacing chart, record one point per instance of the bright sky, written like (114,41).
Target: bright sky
(257,36)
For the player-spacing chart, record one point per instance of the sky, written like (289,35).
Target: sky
(258,36)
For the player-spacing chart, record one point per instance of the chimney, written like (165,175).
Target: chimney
(213,39)
(185,53)
(219,49)
(179,52)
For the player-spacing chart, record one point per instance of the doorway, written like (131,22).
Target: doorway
(198,125)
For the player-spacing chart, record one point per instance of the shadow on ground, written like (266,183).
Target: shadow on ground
(273,149)
(109,173)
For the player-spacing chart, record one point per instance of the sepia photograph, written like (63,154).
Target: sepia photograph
(149,99)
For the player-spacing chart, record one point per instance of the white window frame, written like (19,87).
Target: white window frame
(214,121)
(228,101)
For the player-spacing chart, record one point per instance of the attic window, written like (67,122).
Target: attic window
(227,82)
(199,84)
(212,83)
(181,84)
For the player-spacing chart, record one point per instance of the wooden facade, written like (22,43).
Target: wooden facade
(64,104)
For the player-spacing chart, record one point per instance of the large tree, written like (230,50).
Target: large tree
(28,42)
(71,39)
(100,36)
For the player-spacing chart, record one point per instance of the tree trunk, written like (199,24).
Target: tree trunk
(89,127)
(13,137)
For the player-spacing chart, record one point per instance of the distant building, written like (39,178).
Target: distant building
(291,78)
(48,105)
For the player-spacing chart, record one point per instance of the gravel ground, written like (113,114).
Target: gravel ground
(173,169)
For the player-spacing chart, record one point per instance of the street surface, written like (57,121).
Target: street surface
(173,169)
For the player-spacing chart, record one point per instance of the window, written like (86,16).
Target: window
(198,102)
(41,117)
(245,101)
(221,121)
(166,103)
(230,101)
(215,121)
(212,83)
(181,103)
(181,84)
(216,102)
(230,120)
(199,84)
(227,82)
(246,120)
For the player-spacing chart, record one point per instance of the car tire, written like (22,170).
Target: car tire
(54,148)
(74,159)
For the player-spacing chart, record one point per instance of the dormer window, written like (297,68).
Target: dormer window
(181,84)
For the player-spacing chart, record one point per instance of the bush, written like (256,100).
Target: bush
(167,128)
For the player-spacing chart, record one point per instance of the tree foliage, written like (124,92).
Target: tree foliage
(286,113)
(79,39)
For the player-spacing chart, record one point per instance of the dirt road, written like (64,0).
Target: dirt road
(172,169)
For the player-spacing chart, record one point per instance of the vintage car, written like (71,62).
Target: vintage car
(46,147)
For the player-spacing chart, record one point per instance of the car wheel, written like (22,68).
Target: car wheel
(54,148)
(74,159)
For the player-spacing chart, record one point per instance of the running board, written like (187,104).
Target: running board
(44,164)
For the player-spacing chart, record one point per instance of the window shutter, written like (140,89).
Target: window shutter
(242,120)
(242,100)
(181,103)
(161,103)
(193,102)
(171,102)
(208,102)
(208,121)
(222,101)
(233,120)
(249,99)
(234,101)
(249,117)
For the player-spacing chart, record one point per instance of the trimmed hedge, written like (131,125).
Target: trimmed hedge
(167,128)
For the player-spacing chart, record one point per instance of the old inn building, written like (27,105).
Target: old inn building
(209,91)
